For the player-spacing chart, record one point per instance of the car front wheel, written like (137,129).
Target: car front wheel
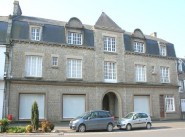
(128,127)
(81,128)
(109,127)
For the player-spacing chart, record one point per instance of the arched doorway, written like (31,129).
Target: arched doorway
(110,103)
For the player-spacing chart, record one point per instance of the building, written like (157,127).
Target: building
(70,68)
(181,77)
(3,35)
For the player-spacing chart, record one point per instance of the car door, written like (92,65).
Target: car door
(144,119)
(137,121)
(92,121)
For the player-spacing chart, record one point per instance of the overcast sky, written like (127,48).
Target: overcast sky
(166,17)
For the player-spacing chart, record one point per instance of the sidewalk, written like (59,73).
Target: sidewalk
(63,127)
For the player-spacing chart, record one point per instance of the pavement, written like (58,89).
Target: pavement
(62,127)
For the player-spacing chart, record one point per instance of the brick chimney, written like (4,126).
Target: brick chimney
(17,9)
(154,34)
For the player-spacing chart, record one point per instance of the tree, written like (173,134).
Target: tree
(35,116)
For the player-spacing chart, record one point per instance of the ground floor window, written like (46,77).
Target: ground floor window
(183,105)
(169,103)
(26,102)
(73,105)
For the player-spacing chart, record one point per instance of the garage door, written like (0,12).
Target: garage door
(73,105)
(142,104)
(25,104)
(1,103)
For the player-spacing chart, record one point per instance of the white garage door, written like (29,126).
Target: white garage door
(142,104)
(26,102)
(1,103)
(73,105)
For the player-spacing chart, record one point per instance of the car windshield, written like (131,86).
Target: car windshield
(128,116)
(84,115)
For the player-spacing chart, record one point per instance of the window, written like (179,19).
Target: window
(164,74)
(170,104)
(162,50)
(25,104)
(138,47)
(109,44)
(140,73)
(180,66)
(36,33)
(181,85)
(34,66)
(54,61)
(109,71)
(74,68)
(74,38)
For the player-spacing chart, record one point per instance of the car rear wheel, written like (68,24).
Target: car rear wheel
(82,128)
(148,125)
(109,127)
(128,127)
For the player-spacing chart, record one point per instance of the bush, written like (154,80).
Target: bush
(16,129)
(4,124)
(29,128)
(46,126)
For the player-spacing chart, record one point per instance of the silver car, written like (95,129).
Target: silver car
(135,120)
(93,120)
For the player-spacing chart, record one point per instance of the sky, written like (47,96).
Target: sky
(166,17)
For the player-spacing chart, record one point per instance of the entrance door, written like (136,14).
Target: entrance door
(161,99)
(110,103)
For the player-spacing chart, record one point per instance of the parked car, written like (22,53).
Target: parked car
(93,120)
(135,120)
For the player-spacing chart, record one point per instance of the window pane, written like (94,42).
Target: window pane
(74,68)
(109,44)
(74,38)
(34,66)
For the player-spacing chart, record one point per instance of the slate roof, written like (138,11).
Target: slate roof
(3,31)
(106,23)
(52,31)
(152,47)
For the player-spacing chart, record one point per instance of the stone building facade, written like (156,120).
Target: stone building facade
(181,78)
(70,68)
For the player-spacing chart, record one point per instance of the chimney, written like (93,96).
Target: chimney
(17,9)
(154,34)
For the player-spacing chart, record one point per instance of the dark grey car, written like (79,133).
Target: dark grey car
(93,120)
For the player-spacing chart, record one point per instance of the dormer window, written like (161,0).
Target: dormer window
(35,33)
(74,38)
(139,47)
(162,49)
(74,32)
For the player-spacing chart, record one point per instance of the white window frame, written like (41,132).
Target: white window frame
(110,71)
(180,65)
(139,47)
(164,74)
(163,51)
(74,68)
(109,44)
(35,33)
(74,38)
(140,73)
(33,66)
(54,61)
(170,103)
